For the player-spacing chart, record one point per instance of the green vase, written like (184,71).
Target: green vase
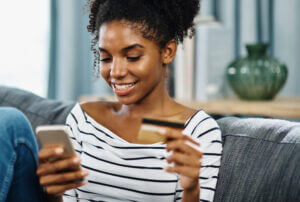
(257,76)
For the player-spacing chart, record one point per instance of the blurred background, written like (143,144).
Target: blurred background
(45,47)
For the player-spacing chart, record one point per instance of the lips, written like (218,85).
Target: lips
(122,89)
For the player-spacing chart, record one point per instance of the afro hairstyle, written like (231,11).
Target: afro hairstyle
(157,20)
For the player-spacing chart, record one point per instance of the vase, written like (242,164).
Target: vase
(257,76)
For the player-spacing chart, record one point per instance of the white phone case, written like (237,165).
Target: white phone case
(53,135)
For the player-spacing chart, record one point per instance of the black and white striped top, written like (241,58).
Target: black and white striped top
(123,171)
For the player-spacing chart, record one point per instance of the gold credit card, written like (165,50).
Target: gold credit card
(149,129)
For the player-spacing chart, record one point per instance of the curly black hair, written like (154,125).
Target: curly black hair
(157,20)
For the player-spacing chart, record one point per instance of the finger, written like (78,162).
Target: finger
(190,139)
(184,146)
(184,159)
(50,152)
(175,134)
(59,189)
(190,172)
(72,163)
(63,178)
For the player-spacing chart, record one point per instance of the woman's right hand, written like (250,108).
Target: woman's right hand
(59,175)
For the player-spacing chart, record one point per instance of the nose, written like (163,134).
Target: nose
(118,70)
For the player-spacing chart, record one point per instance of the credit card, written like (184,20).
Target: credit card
(149,129)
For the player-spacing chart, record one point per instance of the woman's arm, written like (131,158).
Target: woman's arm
(191,195)
(186,158)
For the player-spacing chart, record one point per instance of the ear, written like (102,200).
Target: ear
(169,52)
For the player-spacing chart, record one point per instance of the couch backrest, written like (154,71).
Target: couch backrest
(260,161)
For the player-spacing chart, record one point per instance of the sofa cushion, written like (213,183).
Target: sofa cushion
(39,111)
(262,128)
(260,161)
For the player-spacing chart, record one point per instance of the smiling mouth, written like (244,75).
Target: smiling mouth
(123,86)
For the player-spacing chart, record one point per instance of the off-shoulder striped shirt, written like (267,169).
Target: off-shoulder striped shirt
(123,171)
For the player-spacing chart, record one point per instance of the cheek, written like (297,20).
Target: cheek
(104,71)
(149,68)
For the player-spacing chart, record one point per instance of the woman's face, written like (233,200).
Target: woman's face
(130,64)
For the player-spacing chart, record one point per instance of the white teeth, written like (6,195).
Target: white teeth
(123,87)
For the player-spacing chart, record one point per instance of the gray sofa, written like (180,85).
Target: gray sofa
(260,161)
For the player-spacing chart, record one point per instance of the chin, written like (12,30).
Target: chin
(128,100)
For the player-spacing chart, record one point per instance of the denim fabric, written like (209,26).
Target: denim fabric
(18,159)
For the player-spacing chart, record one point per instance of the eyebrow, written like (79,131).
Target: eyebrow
(124,49)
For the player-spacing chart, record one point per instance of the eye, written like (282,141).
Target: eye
(133,59)
(104,59)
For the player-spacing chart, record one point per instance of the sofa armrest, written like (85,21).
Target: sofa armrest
(39,111)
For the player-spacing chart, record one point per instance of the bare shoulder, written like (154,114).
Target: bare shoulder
(93,108)
(186,112)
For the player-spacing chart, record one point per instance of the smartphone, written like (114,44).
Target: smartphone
(149,129)
(55,135)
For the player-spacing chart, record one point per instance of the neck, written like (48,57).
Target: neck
(156,104)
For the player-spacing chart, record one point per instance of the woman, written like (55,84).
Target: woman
(133,42)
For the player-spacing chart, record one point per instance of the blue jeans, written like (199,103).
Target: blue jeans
(18,159)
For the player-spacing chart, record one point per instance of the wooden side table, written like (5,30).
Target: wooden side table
(281,107)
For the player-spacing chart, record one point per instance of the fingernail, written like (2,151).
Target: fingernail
(166,169)
(85,173)
(76,160)
(59,150)
(162,131)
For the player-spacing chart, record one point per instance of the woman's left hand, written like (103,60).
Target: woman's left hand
(186,157)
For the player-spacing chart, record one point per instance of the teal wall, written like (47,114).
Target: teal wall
(71,70)
(287,41)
